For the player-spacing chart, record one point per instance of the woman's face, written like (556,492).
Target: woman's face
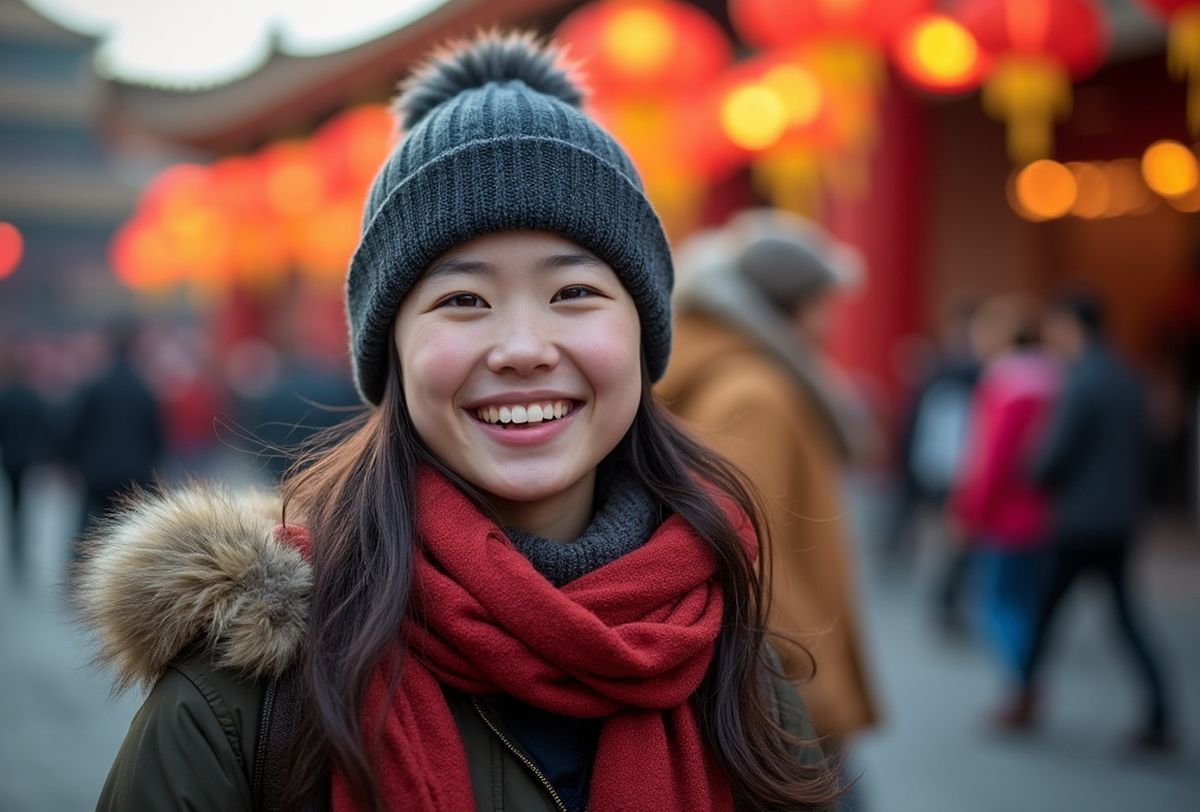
(520,358)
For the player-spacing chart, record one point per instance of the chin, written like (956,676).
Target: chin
(524,486)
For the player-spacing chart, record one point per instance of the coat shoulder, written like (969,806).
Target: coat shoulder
(191,744)
(199,566)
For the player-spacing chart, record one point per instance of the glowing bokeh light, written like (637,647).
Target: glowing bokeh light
(1094,195)
(799,89)
(1188,203)
(1130,195)
(1044,190)
(640,40)
(1170,168)
(939,53)
(12,248)
(754,116)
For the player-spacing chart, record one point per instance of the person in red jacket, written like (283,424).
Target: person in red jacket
(995,505)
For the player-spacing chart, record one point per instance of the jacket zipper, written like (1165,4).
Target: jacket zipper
(264,732)
(516,751)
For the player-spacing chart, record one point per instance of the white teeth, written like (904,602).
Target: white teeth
(532,413)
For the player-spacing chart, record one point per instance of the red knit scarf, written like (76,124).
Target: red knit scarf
(629,642)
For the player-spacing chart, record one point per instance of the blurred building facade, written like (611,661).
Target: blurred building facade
(59,185)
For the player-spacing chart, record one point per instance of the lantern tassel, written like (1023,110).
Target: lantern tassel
(1028,94)
(791,178)
(1183,59)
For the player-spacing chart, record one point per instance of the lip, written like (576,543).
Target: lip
(533,433)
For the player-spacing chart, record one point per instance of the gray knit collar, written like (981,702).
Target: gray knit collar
(626,515)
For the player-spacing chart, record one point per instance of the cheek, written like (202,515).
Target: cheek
(610,356)
(434,363)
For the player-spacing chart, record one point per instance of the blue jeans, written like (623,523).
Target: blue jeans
(1009,587)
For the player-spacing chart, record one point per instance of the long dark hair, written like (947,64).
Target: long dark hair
(356,497)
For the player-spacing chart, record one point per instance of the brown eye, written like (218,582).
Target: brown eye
(462,300)
(573,292)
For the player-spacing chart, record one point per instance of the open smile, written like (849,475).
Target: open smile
(522,415)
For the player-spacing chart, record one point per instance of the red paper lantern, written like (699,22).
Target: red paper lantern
(1037,47)
(351,147)
(775,113)
(939,54)
(656,46)
(1069,33)
(772,100)
(295,185)
(176,188)
(12,246)
(181,232)
(843,42)
(142,255)
(1183,48)
(780,23)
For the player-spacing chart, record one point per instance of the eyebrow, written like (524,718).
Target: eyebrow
(572,259)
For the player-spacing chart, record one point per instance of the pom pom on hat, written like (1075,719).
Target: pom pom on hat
(494,57)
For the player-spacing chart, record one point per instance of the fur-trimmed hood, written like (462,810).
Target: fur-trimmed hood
(200,564)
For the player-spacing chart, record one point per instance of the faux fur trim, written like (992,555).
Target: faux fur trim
(196,564)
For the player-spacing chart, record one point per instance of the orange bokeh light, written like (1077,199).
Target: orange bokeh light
(1044,190)
(1170,169)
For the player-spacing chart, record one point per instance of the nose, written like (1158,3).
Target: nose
(524,345)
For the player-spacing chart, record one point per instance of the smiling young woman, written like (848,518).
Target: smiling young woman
(515,321)
(512,583)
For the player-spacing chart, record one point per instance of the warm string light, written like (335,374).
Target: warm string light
(1167,170)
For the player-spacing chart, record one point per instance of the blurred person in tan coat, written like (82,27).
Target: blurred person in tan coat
(747,378)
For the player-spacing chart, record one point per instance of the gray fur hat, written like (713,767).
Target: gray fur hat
(496,141)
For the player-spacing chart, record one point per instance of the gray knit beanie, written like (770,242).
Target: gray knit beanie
(790,259)
(495,141)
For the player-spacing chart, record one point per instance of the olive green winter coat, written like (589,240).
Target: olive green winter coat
(191,594)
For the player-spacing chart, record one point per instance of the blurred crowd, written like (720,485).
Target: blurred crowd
(1031,454)
(140,405)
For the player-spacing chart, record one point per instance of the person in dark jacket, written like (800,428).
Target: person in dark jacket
(22,440)
(513,583)
(1093,466)
(115,437)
